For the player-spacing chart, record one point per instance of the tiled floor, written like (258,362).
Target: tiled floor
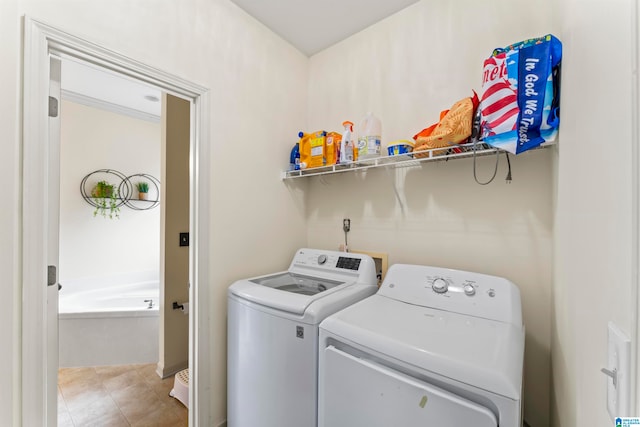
(115,396)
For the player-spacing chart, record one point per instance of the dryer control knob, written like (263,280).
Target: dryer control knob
(440,286)
(469,290)
(322,259)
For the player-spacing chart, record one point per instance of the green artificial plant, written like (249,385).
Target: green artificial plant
(105,196)
(143,187)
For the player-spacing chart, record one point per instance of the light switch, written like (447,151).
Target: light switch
(618,372)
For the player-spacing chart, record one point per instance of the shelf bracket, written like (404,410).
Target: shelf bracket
(392,178)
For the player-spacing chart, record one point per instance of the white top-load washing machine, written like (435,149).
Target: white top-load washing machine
(272,366)
(434,347)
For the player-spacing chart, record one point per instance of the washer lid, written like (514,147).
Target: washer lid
(482,353)
(296,283)
(312,275)
(286,291)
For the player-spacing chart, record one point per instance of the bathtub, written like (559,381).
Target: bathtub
(103,323)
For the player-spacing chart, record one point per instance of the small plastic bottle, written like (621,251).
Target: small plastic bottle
(294,159)
(369,137)
(346,145)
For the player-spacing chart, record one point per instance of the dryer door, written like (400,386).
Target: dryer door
(359,392)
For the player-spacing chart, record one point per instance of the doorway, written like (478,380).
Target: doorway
(41,42)
(118,134)
(109,247)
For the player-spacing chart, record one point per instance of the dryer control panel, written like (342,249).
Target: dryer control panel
(463,292)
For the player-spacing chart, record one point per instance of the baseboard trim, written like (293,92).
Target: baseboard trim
(166,372)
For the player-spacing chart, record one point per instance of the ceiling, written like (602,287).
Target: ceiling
(314,25)
(309,25)
(97,87)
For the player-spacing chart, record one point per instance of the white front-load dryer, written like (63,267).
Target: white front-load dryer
(272,366)
(434,347)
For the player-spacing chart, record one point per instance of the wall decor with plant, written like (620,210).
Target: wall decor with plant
(107,190)
(105,196)
(146,194)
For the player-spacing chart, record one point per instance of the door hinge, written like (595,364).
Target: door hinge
(53,107)
(52,276)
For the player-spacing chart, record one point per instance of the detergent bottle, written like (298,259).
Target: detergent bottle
(312,149)
(369,137)
(347,154)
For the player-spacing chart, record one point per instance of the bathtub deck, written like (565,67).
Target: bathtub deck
(127,395)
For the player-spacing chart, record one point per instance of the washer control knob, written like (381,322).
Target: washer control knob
(469,290)
(322,259)
(440,286)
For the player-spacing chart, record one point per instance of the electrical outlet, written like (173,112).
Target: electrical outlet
(346,225)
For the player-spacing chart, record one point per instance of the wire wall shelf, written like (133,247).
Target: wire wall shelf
(413,159)
(126,193)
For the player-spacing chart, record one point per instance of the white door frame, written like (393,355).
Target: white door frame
(634,405)
(39,41)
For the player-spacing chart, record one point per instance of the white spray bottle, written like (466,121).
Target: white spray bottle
(346,145)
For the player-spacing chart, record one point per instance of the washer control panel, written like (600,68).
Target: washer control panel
(326,259)
(316,262)
(457,291)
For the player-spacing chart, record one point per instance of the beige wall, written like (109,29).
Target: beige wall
(93,139)
(593,228)
(406,69)
(258,87)
(174,259)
